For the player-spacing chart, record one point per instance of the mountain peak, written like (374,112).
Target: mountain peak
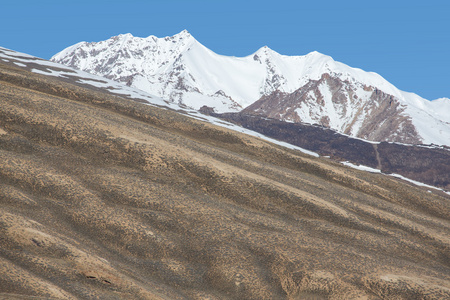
(122,36)
(126,35)
(315,55)
(184,33)
(182,36)
(264,51)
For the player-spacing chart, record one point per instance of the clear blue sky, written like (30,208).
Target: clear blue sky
(406,42)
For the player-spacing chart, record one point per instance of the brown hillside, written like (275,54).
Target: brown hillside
(101,197)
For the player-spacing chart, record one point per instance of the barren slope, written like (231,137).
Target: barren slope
(425,164)
(104,197)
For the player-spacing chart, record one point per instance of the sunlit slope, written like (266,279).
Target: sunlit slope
(104,197)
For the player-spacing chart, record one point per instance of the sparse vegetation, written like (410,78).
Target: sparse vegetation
(101,197)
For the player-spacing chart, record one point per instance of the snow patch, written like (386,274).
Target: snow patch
(360,167)
(20,64)
(418,183)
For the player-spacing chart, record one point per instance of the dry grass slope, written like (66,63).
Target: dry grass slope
(105,198)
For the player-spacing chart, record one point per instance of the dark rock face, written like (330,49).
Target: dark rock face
(430,165)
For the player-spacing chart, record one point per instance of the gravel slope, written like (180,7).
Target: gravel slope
(101,197)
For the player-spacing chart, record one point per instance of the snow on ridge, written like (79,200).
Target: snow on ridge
(441,107)
(295,70)
(69,49)
(181,70)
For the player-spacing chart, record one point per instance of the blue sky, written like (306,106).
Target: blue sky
(406,42)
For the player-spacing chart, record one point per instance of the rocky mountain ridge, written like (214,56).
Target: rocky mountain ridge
(312,88)
(352,109)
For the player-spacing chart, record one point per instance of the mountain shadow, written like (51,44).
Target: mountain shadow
(423,163)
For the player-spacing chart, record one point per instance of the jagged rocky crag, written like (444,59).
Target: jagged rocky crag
(427,164)
(102,197)
(378,117)
(312,88)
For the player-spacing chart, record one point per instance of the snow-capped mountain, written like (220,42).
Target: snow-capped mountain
(358,110)
(312,88)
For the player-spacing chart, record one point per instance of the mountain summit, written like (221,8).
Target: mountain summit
(312,88)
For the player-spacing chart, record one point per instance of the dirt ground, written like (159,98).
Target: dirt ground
(105,198)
